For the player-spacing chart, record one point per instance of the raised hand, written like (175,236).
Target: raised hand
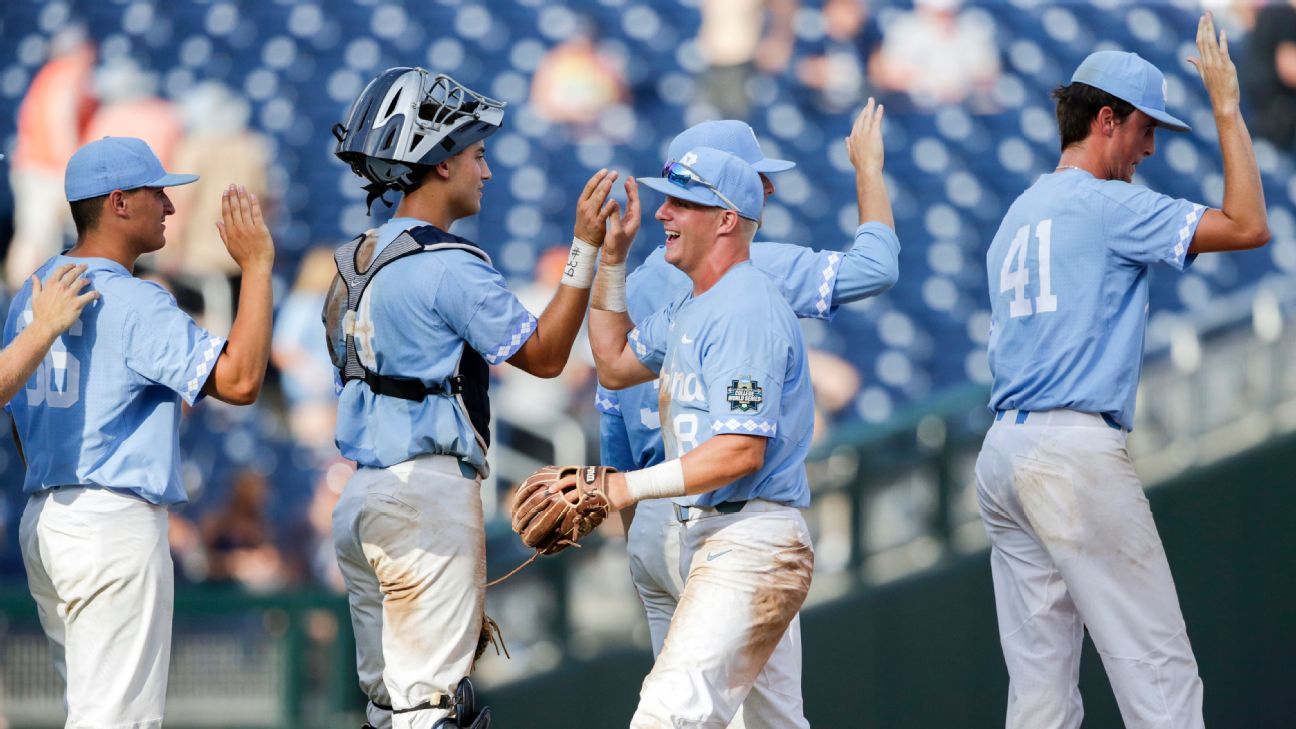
(1215,67)
(864,145)
(593,208)
(57,305)
(243,229)
(622,229)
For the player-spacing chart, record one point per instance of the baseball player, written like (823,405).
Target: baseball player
(1074,546)
(415,317)
(56,306)
(814,284)
(737,413)
(99,420)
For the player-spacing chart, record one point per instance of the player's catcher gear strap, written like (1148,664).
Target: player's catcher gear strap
(471,380)
(438,701)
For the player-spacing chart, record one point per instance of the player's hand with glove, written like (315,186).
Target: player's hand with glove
(57,304)
(558,506)
(243,230)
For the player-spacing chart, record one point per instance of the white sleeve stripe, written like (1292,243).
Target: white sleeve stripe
(203,367)
(607,405)
(825,291)
(521,332)
(748,426)
(1187,230)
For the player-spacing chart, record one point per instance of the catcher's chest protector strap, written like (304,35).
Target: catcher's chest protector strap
(472,377)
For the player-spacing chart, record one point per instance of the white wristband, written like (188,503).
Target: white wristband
(579,272)
(610,292)
(663,480)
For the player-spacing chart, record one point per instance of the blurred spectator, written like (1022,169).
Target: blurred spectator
(220,149)
(835,382)
(299,352)
(240,544)
(312,539)
(837,66)
(576,81)
(130,108)
(53,115)
(530,400)
(187,549)
(736,41)
(1269,73)
(938,54)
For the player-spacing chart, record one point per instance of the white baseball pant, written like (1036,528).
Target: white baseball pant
(1074,546)
(411,546)
(747,576)
(99,568)
(653,545)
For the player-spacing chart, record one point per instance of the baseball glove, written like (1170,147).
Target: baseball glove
(551,522)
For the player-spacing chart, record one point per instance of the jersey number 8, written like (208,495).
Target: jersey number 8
(1016,278)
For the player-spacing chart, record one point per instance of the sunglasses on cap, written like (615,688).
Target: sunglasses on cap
(681,175)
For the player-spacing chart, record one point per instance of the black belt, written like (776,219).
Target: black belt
(409,389)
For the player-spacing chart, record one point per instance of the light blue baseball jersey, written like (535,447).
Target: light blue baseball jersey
(1068,275)
(414,320)
(732,360)
(814,283)
(103,408)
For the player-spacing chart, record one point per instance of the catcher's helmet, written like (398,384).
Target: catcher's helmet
(408,119)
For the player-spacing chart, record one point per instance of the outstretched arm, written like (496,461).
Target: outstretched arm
(614,359)
(241,368)
(56,306)
(545,353)
(1241,222)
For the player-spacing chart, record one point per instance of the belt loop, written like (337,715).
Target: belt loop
(681,512)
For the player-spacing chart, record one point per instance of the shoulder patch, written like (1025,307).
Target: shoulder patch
(744,395)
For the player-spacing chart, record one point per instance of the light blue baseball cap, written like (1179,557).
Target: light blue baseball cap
(1129,77)
(116,163)
(727,135)
(708,176)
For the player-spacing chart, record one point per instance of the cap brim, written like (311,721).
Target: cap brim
(1164,120)
(699,194)
(768,165)
(170,180)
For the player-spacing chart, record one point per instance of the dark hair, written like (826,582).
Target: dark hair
(85,213)
(1077,106)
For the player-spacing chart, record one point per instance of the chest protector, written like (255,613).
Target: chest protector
(356,267)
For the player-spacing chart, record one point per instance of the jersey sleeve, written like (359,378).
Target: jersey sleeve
(475,303)
(614,439)
(1147,227)
(648,340)
(815,283)
(164,345)
(743,369)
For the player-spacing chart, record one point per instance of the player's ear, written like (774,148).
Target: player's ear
(117,204)
(442,169)
(1106,121)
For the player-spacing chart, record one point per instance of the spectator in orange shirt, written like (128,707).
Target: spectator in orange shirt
(53,114)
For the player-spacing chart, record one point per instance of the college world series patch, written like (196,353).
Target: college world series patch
(744,395)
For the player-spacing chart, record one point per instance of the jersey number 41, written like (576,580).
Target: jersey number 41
(1014,278)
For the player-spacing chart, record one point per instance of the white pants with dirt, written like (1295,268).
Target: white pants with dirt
(730,640)
(99,567)
(411,547)
(1074,546)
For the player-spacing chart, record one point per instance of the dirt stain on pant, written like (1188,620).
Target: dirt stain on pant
(776,601)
